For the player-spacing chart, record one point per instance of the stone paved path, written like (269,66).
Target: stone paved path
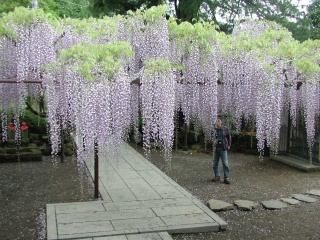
(137,198)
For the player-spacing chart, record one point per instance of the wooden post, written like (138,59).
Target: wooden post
(96,170)
(62,145)
(185,145)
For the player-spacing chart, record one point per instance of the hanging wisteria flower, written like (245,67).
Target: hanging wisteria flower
(158,105)
(254,75)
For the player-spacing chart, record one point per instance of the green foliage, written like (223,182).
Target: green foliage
(58,8)
(200,34)
(25,17)
(267,42)
(49,6)
(277,42)
(73,9)
(300,30)
(284,12)
(159,65)
(8,5)
(100,8)
(93,27)
(307,57)
(152,14)
(314,17)
(244,142)
(108,58)
(35,123)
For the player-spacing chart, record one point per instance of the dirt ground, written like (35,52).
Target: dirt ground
(251,179)
(25,188)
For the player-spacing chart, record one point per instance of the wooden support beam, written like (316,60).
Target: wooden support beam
(15,81)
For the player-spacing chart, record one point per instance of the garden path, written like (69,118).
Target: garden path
(137,198)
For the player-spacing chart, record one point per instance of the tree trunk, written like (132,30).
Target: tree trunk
(188,9)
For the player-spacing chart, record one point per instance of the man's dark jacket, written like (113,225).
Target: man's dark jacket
(226,137)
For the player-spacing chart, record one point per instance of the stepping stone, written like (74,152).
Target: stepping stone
(274,204)
(304,198)
(315,192)
(245,205)
(217,205)
(290,201)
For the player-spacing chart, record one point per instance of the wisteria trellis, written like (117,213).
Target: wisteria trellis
(100,74)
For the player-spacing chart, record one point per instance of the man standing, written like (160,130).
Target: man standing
(222,143)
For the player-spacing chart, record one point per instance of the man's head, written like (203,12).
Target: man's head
(218,123)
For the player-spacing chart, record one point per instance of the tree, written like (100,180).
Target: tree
(49,6)
(314,17)
(300,29)
(73,9)
(99,8)
(59,8)
(8,6)
(224,13)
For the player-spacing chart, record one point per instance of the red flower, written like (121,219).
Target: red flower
(11,126)
(24,126)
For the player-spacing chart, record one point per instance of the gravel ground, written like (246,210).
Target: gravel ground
(27,187)
(251,179)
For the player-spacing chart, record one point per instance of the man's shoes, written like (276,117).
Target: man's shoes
(215,179)
(227,181)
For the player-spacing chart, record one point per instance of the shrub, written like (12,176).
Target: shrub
(35,123)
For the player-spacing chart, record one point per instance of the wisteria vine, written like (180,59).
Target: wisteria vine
(100,75)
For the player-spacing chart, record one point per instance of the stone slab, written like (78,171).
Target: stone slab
(84,227)
(52,232)
(150,236)
(245,205)
(136,223)
(141,236)
(290,201)
(122,237)
(194,228)
(222,224)
(315,192)
(153,178)
(93,206)
(296,162)
(145,193)
(112,206)
(274,204)
(168,191)
(217,205)
(105,216)
(186,219)
(304,198)
(121,218)
(112,180)
(121,194)
(97,234)
(180,210)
